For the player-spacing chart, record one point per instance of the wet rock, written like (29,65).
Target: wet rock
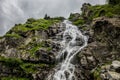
(46,56)
(115,64)
(109,71)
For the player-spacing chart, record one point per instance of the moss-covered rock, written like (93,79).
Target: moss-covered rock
(34,25)
(27,49)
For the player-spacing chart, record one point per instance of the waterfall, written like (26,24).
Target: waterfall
(73,41)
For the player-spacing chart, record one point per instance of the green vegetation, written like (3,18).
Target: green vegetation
(31,68)
(13,78)
(107,10)
(31,20)
(36,46)
(49,48)
(58,18)
(79,22)
(10,62)
(1,37)
(96,74)
(76,19)
(32,24)
(71,16)
(104,10)
(113,2)
(46,17)
(20,64)
(21,67)
(13,35)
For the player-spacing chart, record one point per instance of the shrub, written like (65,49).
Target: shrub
(113,2)
(79,22)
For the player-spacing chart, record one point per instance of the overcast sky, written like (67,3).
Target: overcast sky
(17,11)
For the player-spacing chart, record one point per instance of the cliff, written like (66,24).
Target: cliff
(27,51)
(100,60)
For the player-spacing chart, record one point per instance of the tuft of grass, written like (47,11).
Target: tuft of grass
(96,74)
(13,35)
(13,78)
(33,24)
(104,10)
(27,67)
(10,62)
(79,22)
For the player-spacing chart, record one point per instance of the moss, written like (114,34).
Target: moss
(35,47)
(71,17)
(32,67)
(30,20)
(85,28)
(58,18)
(13,78)
(79,22)
(25,66)
(29,67)
(1,37)
(109,14)
(104,10)
(96,74)
(13,35)
(49,48)
(33,24)
(10,62)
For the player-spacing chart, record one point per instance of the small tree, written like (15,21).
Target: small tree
(46,16)
(113,2)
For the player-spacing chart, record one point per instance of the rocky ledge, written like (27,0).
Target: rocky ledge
(30,53)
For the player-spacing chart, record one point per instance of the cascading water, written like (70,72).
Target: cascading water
(73,41)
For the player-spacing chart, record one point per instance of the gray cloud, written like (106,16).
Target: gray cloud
(17,11)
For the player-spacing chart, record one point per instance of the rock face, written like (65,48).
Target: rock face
(30,54)
(102,50)
(103,44)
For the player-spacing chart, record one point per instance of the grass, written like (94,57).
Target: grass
(49,48)
(26,66)
(96,74)
(79,22)
(13,78)
(34,25)
(1,37)
(104,10)
(13,35)
(36,46)
(31,68)
(10,62)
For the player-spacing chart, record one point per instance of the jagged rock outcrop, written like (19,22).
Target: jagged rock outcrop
(28,54)
(102,50)
(102,25)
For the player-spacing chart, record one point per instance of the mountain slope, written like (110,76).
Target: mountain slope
(27,51)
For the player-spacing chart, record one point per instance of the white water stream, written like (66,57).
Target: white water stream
(72,43)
